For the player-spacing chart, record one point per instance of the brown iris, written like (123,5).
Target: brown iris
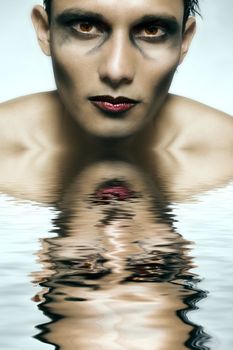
(151,30)
(86,27)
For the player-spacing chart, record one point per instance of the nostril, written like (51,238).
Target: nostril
(115,82)
(116,73)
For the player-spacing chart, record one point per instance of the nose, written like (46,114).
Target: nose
(117,62)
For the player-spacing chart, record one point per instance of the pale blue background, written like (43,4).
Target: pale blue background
(206,75)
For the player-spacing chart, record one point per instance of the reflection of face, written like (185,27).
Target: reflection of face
(107,47)
(113,206)
(114,197)
(95,253)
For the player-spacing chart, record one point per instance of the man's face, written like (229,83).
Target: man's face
(115,48)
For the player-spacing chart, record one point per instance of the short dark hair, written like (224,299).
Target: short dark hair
(191,7)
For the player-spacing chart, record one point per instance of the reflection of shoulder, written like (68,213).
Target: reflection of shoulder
(24,119)
(200,125)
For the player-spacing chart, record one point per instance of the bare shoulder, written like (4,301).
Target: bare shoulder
(191,108)
(34,104)
(200,125)
(20,116)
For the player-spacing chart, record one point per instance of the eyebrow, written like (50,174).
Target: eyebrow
(74,13)
(167,20)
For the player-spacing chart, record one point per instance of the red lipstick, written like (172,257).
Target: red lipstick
(112,190)
(113,105)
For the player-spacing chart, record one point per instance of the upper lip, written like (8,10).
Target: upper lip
(113,100)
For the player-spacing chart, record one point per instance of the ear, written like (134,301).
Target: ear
(189,31)
(41,25)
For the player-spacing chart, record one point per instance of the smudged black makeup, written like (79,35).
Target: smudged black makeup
(155,29)
(74,19)
(89,25)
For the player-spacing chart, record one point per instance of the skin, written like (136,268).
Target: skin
(120,60)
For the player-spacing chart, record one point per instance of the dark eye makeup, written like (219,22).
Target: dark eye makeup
(84,27)
(150,33)
(154,29)
(151,29)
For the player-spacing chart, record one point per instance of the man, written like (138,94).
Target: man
(113,65)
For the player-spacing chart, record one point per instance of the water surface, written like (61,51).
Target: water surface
(116,253)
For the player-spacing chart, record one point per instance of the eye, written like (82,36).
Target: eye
(151,32)
(86,28)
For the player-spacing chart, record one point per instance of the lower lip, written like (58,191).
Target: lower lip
(113,108)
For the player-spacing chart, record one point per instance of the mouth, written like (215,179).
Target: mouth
(114,189)
(113,105)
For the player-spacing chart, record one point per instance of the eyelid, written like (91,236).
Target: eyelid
(77,19)
(166,26)
(75,24)
(146,27)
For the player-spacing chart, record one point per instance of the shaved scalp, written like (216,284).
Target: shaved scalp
(191,8)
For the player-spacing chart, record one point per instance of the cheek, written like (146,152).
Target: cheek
(160,70)
(70,67)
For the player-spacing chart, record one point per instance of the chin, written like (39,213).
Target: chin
(106,128)
(111,135)
(114,133)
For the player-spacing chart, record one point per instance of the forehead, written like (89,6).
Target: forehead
(128,10)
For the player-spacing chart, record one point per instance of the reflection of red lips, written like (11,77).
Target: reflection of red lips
(114,108)
(114,192)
